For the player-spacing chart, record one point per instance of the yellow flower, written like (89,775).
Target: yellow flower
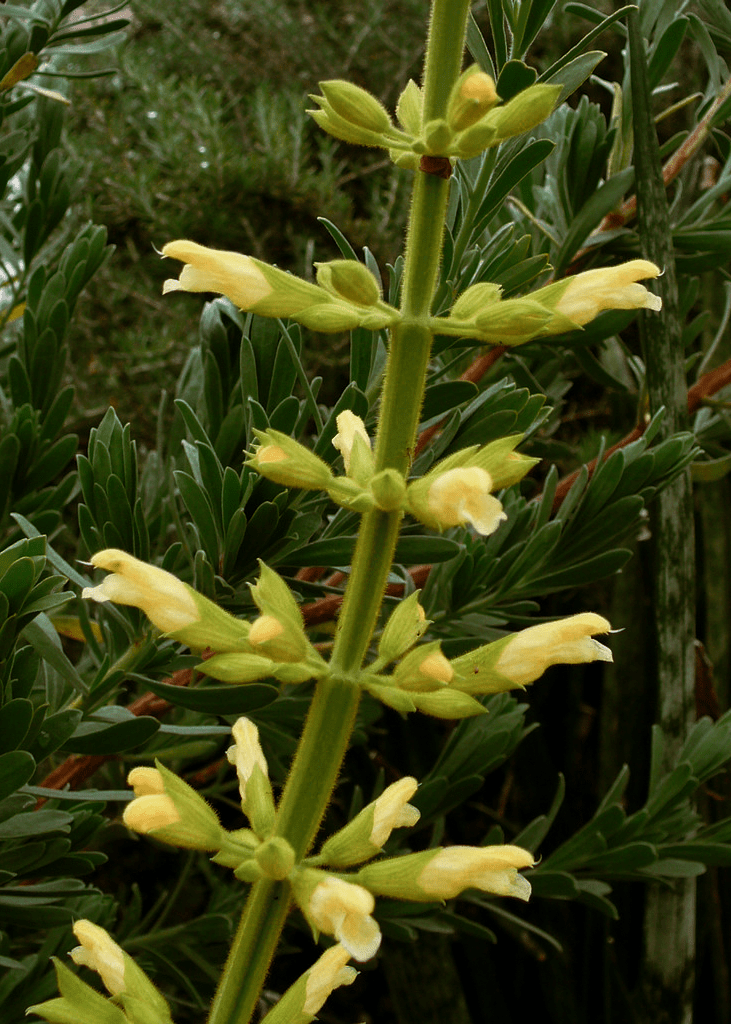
(100,952)
(250,284)
(392,810)
(350,426)
(590,293)
(167,602)
(214,270)
(146,781)
(489,868)
(462,495)
(246,753)
(342,909)
(529,653)
(150,812)
(171,810)
(328,973)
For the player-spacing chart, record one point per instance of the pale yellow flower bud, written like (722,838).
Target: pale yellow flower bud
(436,666)
(588,294)
(246,752)
(473,96)
(529,653)
(100,952)
(444,873)
(257,801)
(349,426)
(463,496)
(178,816)
(150,812)
(171,605)
(342,909)
(142,1002)
(489,868)
(146,781)
(305,998)
(283,460)
(270,453)
(265,628)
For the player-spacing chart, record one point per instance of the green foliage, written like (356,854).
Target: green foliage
(536,205)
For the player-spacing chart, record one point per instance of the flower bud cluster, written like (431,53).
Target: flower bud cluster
(346,296)
(557,308)
(475,118)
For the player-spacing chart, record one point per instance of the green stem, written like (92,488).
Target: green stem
(251,953)
(330,721)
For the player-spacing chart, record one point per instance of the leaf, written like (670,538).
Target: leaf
(16,768)
(602,202)
(442,398)
(217,700)
(101,738)
(35,823)
(41,635)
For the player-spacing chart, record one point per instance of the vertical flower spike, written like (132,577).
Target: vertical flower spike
(170,605)
(367,833)
(257,801)
(339,908)
(302,1001)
